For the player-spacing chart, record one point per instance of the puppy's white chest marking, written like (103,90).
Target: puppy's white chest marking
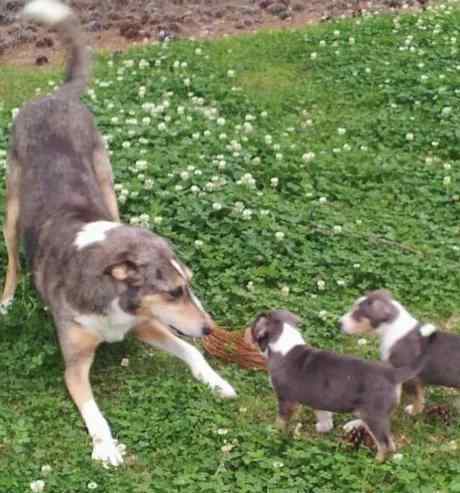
(289,338)
(112,327)
(93,232)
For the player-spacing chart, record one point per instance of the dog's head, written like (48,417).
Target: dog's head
(153,283)
(268,327)
(370,312)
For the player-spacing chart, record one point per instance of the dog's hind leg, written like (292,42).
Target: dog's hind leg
(103,171)
(11,230)
(79,347)
(419,402)
(286,409)
(159,336)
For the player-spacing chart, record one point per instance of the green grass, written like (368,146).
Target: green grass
(373,205)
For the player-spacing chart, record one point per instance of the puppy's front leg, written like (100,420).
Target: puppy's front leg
(324,421)
(78,347)
(285,411)
(159,336)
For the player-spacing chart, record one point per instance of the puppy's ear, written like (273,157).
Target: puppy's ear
(290,318)
(381,310)
(259,331)
(126,271)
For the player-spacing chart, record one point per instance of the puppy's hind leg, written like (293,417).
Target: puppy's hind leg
(103,170)
(419,402)
(78,347)
(159,336)
(11,231)
(286,409)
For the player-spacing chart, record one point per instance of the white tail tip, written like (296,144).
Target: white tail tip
(47,11)
(427,329)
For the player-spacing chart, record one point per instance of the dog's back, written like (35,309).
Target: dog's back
(53,144)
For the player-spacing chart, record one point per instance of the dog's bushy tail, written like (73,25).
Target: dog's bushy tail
(405,373)
(63,19)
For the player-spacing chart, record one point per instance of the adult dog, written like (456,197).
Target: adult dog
(100,278)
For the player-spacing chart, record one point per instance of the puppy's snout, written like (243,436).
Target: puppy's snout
(206,330)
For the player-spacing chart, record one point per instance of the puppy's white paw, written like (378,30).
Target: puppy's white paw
(223,388)
(108,451)
(353,424)
(324,426)
(410,410)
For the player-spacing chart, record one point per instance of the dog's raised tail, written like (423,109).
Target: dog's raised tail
(405,373)
(58,15)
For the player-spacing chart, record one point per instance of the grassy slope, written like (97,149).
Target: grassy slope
(399,229)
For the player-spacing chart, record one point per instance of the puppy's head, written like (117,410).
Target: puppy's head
(268,327)
(370,312)
(154,284)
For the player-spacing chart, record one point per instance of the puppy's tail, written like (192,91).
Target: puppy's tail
(409,372)
(61,17)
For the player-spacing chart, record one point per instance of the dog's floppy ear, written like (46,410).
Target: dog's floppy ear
(124,270)
(290,318)
(379,308)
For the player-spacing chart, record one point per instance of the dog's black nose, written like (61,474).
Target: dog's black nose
(207,330)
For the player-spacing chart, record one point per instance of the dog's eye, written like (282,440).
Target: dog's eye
(177,292)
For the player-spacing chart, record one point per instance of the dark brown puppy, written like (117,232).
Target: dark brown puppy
(329,382)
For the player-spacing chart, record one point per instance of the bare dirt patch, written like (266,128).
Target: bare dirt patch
(118,24)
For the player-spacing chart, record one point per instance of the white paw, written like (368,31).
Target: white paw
(410,409)
(108,451)
(324,426)
(5,305)
(218,384)
(353,424)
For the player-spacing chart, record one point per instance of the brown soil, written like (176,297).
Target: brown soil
(118,24)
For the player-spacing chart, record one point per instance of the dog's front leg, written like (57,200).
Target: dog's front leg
(79,347)
(159,336)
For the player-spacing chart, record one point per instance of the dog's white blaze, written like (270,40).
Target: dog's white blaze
(289,338)
(47,11)
(178,268)
(392,332)
(105,448)
(93,233)
(112,327)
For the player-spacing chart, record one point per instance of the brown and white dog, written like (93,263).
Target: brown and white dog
(329,382)
(403,339)
(100,278)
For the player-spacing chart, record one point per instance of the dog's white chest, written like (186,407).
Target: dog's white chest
(112,327)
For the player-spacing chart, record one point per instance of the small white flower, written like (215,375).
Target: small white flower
(341,282)
(92,485)
(227,448)
(46,469)
(409,136)
(230,74)
(279,235)
(243,410)
(37,486)
(220,121)
(337,229)
(362,341)
(447,166)
(124,362)
(398,457)
(322,200)
(264,114)
(278,464)
(341,131)
(250,286)
(285,290)
(274,182)
(222,431)
(247,214)
(162,126)
(217,206)
(198,51)
(198,243)
(314,56)
(447,180)
(126,144)
(157,220)
(268,139)
(321,284)
(308,156)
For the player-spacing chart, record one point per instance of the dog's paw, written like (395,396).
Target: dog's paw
(324,426)
(353,424)
(5,305)
(224,390)
(108,451)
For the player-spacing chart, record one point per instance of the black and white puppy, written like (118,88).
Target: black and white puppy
(329,382)
(403,339)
